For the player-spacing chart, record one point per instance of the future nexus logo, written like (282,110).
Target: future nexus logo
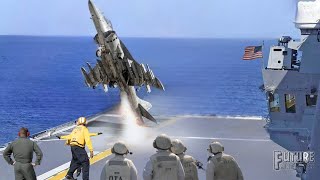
(288,160)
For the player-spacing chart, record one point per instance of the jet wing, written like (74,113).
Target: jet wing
(96,75)
(133,73)
(139,74)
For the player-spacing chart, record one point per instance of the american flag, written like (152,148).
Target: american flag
(252,52)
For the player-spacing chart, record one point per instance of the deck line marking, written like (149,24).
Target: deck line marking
(227,139)
(47,140)
(54,171)
(61,171)
(57,170)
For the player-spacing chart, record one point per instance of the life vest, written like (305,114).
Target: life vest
(78,137)
(189,166)
(165,167)
(117,170)
(225,168)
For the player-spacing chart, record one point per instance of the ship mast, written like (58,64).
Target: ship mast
(308,21)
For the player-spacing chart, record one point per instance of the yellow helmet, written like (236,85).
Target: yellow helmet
(82,120)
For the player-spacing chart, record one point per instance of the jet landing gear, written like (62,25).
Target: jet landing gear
(98,53)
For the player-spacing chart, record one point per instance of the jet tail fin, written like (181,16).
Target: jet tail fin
(145,113)
(145,104)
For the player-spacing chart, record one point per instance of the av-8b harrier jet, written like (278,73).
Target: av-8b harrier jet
(116,67)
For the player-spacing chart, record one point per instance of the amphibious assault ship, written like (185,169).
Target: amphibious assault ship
(291,84)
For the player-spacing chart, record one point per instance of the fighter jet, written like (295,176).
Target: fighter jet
(116,67)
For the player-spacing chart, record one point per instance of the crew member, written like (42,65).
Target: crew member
(68,140)
(119,167)
(188,162)
(80,137)
(22,150)
(222,166)
(163,165)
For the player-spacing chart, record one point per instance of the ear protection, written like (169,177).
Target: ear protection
(27,132)
(211,149)
(154,144)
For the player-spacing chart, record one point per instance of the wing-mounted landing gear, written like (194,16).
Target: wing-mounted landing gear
(100,51)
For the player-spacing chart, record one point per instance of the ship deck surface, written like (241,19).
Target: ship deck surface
(244,138)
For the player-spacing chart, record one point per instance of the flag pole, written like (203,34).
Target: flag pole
(262,59)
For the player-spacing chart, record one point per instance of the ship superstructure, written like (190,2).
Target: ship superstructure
(291,82)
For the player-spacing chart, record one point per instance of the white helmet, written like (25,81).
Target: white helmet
(162,142)
(120,148)
(81,120)
(216,147)
(178,147)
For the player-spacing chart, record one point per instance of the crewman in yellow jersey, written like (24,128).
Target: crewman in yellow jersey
(79,138)
(68,140)
(68,137)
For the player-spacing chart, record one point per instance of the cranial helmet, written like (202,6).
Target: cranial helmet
(120,148)
(162,142)
(216,147)
(81,120)
(178,147)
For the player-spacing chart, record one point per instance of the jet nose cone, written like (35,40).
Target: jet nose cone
(90,3)
(101,23)
(92,8)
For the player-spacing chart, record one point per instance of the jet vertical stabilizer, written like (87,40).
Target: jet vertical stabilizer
(145,113)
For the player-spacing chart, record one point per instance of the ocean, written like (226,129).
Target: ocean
(42,86)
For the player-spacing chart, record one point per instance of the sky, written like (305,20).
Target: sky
(152,18)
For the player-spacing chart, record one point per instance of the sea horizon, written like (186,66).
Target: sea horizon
(42,86)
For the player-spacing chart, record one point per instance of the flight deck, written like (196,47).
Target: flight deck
(243,137)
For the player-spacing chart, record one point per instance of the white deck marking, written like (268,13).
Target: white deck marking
(47,140)
(226,139)
(250,118)
(56,170)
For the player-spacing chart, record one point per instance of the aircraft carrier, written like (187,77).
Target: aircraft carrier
(291,84)
(244,138)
